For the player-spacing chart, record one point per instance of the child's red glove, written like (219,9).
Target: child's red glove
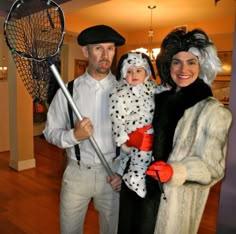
(164,170)
(140,139)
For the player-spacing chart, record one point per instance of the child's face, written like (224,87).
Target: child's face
(135,75)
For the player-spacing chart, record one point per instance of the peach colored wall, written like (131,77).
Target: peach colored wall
(70,52)
(4,117)
(4,99)
(21,122)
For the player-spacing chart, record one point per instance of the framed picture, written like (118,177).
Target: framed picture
(221,90)
(226,59)
(3,73)
(80,67)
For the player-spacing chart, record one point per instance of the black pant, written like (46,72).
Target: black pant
(138,215)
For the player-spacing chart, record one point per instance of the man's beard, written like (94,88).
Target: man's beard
(102,70)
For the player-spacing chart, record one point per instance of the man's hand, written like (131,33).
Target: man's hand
(115,182)
(83,129)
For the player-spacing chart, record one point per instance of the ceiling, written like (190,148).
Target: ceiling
(134,15)
(6,6)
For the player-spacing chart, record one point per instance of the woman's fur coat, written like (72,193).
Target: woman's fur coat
(197,155)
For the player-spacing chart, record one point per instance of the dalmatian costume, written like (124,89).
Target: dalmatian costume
(132,107)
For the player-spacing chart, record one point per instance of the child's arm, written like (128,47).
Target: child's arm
(118,117)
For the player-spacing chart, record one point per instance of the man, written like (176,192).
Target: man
(85,177)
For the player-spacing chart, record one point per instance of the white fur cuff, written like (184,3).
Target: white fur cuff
(179,174)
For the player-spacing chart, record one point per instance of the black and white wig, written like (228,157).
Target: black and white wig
(198,43)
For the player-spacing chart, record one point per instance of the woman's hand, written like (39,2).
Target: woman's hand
(160,171)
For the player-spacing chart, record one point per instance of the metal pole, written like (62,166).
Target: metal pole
(79,116)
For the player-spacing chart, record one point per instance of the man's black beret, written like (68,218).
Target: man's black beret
(100,34)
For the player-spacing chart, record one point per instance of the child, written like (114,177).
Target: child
(131,109)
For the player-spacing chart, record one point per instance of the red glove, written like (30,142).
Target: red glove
(164,170)
(140,139)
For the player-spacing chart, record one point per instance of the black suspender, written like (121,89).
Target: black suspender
(77,150)
(70,89)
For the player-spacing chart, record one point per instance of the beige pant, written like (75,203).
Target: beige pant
(81,183)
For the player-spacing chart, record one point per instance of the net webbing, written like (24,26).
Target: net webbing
(34,32)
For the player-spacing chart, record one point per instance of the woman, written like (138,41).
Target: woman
(190,130)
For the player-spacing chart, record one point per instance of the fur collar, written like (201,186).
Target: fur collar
(170,107)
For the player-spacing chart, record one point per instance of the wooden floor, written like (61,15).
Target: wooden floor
(29,200)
